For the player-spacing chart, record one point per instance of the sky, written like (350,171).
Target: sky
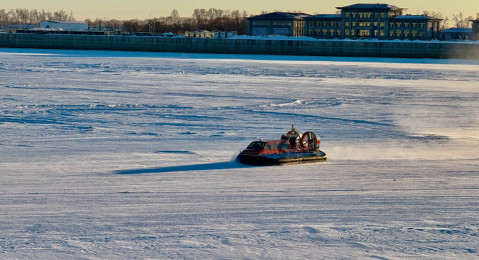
(142,9)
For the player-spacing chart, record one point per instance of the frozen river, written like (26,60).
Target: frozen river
(122,155)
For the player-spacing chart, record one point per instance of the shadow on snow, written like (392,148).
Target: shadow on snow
(186,168)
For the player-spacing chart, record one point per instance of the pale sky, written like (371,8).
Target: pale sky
(141,9)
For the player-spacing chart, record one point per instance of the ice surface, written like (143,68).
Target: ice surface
(129,155)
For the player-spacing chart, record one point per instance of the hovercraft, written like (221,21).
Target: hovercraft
(293,147)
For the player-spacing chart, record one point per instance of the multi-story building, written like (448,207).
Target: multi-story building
(377,21)
(367,20)
(380,21)
(277,23)
(414,27)
(325,26)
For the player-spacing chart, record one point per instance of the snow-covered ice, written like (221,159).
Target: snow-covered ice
(119,155)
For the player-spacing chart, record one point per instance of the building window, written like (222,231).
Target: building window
(325,24)
(391,24)
(325,32)
(398,25)
(406,33)
(346,14)
(414,33)
(382,24)
(346,32)
(354,24)
(354,14)
(363,33)
(398,33)
(421,25)
(382,33)
(331,24)
(391,33)
(383,15)
(421,34)
(406,25)
(414,25)
(346,24)
(317,31)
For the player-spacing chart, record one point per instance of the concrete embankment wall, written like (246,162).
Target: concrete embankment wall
(397,49)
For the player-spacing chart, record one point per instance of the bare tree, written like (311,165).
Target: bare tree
(462,22)
(444,24)
(175,16)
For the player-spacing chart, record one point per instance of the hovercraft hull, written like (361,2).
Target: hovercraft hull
(284,158)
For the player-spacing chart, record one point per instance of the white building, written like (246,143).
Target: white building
(208,34)
(224,35)
(64,26)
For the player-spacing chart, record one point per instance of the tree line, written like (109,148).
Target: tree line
(458,20)
(202,19)
(26,16)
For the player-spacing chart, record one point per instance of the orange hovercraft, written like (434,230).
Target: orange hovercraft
(293,147)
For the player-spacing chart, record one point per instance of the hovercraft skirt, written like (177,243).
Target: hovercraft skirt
(276,159)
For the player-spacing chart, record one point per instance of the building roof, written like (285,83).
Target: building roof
(415,17)
(458,30)
(324,16)
(279,16)
(376,7)
(475,21)
(62,22)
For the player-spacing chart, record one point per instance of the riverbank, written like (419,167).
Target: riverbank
(273,46)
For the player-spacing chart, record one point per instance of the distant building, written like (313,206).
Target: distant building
(456,34)
(475,30)
(17,27)
(377,21)
(277,23)
(224,34)
(65,26)
(209,34)
(199,34)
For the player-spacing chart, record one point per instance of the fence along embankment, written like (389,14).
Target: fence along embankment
(363,48)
